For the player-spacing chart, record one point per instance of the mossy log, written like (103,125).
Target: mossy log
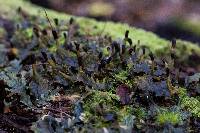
(115,30)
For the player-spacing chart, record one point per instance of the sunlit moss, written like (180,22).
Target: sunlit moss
(28,32)
(168,117)
(105,51)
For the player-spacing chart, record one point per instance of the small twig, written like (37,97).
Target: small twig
(58,111)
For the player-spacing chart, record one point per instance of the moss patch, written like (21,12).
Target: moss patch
(168,117)
(190,103)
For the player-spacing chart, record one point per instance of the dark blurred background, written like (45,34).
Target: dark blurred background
(167,18)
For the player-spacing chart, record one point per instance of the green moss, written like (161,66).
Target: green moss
(140,113)
(182,92)
(189,103)
(105,102)
(105,51)
(28,32)
(101,97)
(92,27)
(94,101)
(126,116)
(168,117)
(121,76)
(183,50)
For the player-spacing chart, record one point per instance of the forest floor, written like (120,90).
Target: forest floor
(54,77)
